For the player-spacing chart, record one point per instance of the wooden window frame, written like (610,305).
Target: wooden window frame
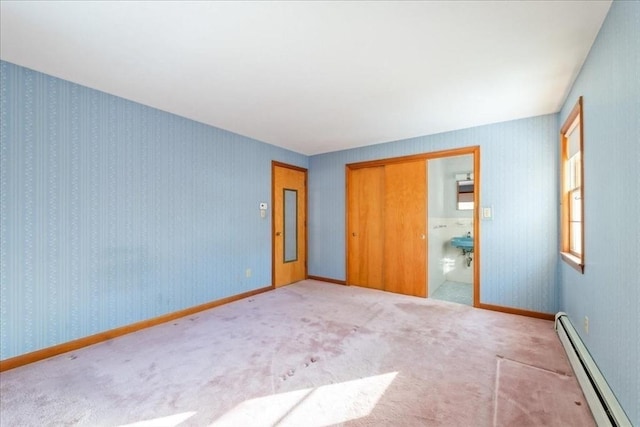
(571,257)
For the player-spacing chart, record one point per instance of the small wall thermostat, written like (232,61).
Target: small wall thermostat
(263,210)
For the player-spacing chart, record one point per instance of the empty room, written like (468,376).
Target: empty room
(315,213)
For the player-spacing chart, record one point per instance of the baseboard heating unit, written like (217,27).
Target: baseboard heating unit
(602,402)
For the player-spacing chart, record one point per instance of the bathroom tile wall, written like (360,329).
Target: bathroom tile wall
(445,221)
(446,263)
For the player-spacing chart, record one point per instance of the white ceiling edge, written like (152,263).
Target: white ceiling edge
(315,77)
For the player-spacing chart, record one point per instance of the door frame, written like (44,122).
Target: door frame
(454,152)
(274,164)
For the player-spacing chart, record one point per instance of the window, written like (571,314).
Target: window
(572,191)
(465,194)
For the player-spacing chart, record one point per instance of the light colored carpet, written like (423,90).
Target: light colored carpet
(309,354)
(527,394)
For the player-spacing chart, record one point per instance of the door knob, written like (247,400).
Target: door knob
(422,236)
(354,234)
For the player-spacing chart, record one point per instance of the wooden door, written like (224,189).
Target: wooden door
(289,237)
(405,228)
(365,227)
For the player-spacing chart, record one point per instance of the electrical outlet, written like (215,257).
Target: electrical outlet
(586,324)
(247,272)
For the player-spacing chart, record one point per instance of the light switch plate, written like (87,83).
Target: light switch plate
(487,212)
(263,206)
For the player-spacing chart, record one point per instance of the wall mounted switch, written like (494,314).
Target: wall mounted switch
(586,325)
(487,212)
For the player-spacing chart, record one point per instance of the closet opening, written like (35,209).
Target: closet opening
(413,224)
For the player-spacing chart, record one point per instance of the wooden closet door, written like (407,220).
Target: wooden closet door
(405,228)
(365,227)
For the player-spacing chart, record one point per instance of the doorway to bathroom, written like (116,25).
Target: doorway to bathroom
(451,217)
(396,243)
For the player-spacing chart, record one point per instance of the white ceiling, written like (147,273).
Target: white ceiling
(317,76)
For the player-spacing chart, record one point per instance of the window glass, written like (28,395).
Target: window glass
(572,227)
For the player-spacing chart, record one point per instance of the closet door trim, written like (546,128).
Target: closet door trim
(473,150)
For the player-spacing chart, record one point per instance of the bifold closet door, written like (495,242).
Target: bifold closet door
(405,228)
(365,217)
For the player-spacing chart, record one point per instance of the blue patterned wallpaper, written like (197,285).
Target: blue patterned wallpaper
(609,291)
(519,176)
(113,212)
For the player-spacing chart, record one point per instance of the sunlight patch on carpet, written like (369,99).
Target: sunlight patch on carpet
(325,405)
(528,395)
(169,421)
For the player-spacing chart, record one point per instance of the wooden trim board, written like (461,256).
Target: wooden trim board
(45,353)
(326,279)
(521,312)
